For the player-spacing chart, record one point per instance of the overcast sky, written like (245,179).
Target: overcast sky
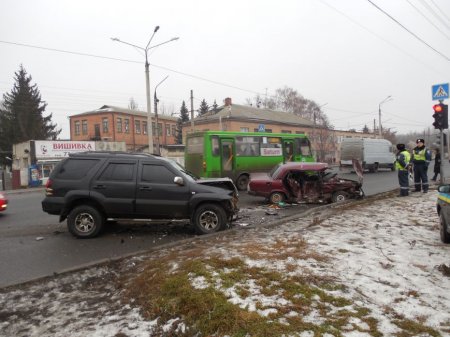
(346,54)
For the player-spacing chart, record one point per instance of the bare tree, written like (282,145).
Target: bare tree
(289,100)
(132,105)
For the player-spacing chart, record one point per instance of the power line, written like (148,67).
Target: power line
(130,61)
(380,37)
(432,11)
(410,32)
(426,18)
(440,10)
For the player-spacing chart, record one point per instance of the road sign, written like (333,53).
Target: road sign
(439,91)
(261,128)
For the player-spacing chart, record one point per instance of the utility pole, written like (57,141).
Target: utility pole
(192,110)
(379,114)
(156,100)
(441,146)
(147,81)
(379,121)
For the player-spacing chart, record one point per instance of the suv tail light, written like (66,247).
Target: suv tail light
(48,187)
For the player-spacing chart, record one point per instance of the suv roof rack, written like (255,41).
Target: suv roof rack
(113,153)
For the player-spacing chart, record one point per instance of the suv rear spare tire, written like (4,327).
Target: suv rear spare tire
(209,218)
(85,222)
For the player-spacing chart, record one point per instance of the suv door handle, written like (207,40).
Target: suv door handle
(99,187)
(145,188)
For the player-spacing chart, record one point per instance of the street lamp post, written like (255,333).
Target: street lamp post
(379,114)
(147,82)
(155,99)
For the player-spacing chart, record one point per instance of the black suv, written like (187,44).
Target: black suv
(90,188)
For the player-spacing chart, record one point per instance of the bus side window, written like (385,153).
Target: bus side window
(215,146)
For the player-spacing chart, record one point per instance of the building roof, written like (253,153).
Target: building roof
(111,108)
(237,111)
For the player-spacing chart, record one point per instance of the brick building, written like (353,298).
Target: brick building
(115,124)
(325,143)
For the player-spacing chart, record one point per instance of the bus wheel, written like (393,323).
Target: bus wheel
(242,182)
(276,197)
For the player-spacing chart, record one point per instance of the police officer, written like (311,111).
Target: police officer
(421,158)
(402,166)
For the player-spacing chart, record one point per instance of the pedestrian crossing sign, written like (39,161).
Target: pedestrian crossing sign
(439,92)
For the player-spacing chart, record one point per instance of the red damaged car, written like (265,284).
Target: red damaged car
(304,183)
(3,202)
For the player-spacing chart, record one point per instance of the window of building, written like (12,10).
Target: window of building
(105,124)
(159,129)
(119,125)
(244,129)
(153,129)
(286,131)
(144,128)
(84,127)
(77,128)
(126,125)
(174,130)
(137,126)
(167,130)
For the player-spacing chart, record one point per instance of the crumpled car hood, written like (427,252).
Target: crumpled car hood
(225,183)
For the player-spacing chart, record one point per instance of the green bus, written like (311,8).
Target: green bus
(212,154)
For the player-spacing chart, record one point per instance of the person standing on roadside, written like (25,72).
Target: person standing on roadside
(437,164)
(402,166)
(421,158)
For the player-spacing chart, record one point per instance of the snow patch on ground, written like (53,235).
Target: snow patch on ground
(386,252)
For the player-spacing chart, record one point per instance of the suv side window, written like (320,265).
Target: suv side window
(75,169)
(158,174)
(118,172)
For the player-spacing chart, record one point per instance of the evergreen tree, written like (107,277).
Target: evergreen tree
(204,108)
(215,106)
(184,117)
(21,115)
(365,129)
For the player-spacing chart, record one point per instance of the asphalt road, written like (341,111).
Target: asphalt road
(33,244)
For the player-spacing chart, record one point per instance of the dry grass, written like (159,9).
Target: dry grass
(168,289)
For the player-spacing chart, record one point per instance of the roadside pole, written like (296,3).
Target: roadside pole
(441,150)
(439,92)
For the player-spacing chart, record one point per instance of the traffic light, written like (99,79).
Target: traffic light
(440,116)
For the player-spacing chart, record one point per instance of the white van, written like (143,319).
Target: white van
(371,153)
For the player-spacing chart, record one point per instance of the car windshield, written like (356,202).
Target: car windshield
(275,171)
(186,173)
